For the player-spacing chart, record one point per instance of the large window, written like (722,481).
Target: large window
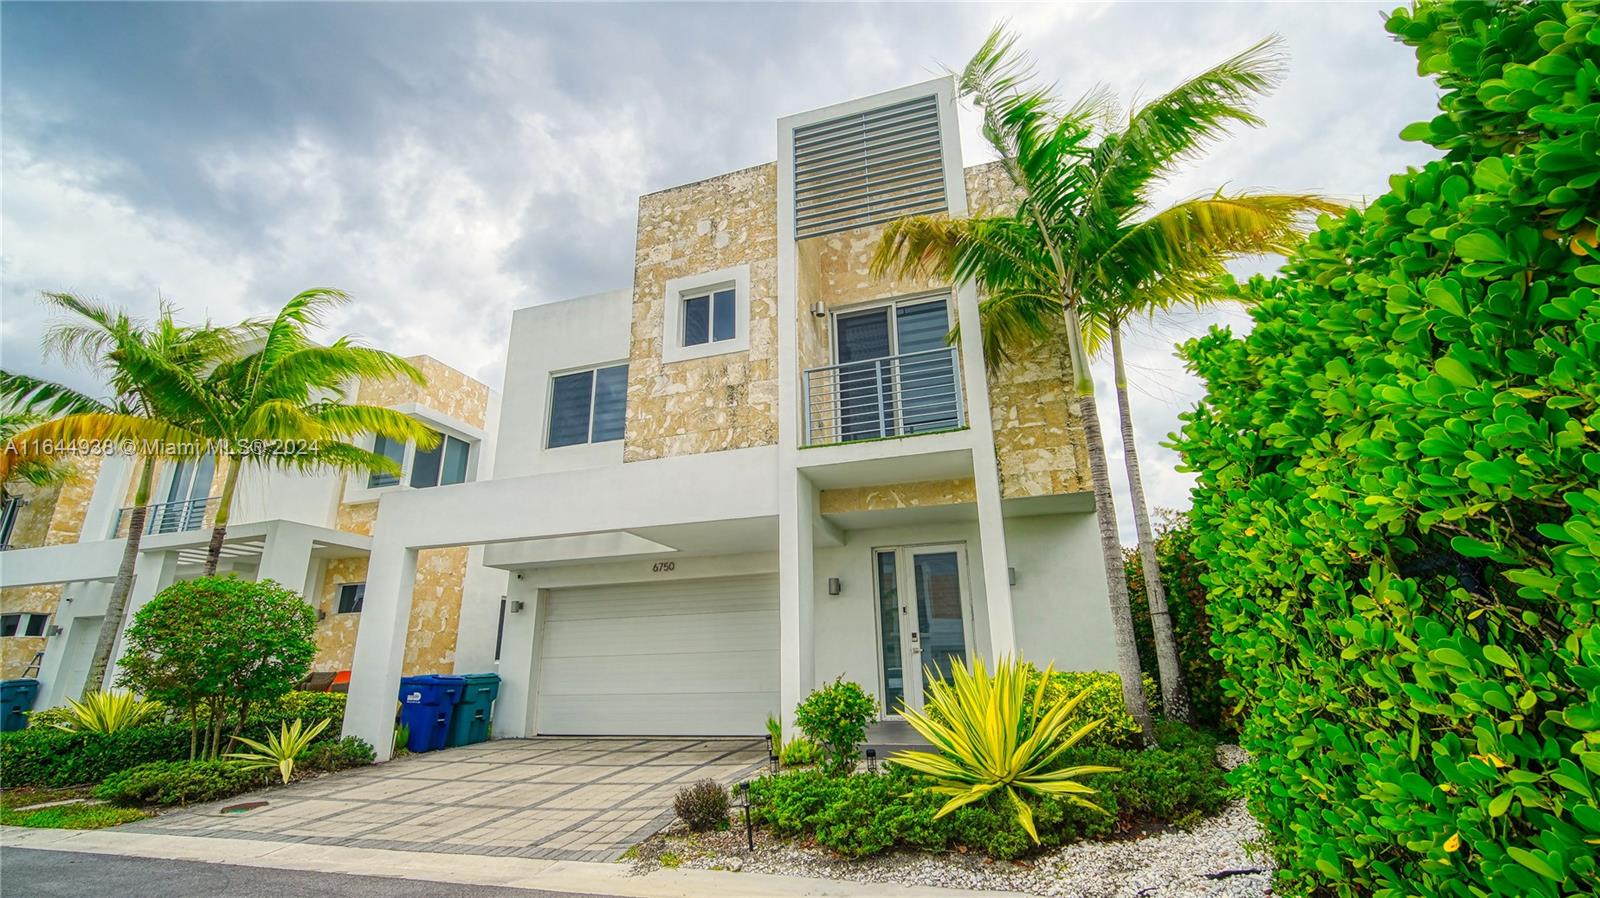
(23,624)
(708,317)
(588,406)
(442,465)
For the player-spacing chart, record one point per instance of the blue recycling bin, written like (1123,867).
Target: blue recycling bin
(16,700)
(427,703)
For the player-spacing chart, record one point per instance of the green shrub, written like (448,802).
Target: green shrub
(51,717)
(835,717)
(799,753)
(703,805)
(337,754)
(1104,701)
(213,648)
(1181,571)
(864,814)
(166,783)
(1397,492)
(45,756)
(305,705)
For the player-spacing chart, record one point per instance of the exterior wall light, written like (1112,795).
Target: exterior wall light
(1011,574)
(834,586)
(819,309)
(516,606)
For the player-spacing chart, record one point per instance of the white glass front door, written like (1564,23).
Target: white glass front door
(922,618)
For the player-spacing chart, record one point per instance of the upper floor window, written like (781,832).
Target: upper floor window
(588,406)
(23,624)
(706,314)
(708,317)
(444,464)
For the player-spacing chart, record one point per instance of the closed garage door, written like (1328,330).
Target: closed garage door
(691,658)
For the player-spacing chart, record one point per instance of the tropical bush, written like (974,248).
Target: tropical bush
(1101,699)
(214,647)
(799,753)
(835,717)
(337,754)
(166,783)
(990,744)
(1175,782)
(703,805)
(280,750)
(1397,499)
(1181,571)
(108,712)
(46,756)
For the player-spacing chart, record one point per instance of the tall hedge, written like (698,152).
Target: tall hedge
(1399,492)
(1181,571)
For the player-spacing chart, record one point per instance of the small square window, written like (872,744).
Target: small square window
(9,624)
(351,596)
(395,451)
(709,317)
(588,406)
(23,624)
(36,624)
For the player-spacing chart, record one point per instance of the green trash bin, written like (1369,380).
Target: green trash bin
(475,710)
(16,700)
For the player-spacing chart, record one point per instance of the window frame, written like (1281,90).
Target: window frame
(594,376)
(10,510)
(679,291)
(360,597)
(358,487)
(24,623)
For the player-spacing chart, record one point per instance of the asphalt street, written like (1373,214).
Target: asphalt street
(30,873)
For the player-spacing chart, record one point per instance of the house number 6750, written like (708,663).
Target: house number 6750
(661,567)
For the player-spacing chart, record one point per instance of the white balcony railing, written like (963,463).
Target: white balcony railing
(899,395)
(170,517)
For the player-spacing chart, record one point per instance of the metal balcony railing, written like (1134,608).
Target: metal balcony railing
(171,517)
(919,392)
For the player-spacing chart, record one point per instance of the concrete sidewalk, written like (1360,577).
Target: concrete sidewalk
(510,872)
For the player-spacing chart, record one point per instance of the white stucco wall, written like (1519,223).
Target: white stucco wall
(1060,596)
(551,339)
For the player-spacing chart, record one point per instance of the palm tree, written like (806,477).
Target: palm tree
(134,357)
(1264,224)
(282,404)
(1083,176)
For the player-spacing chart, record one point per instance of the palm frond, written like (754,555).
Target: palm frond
(21,391)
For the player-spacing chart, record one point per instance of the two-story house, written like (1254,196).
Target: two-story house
(760,468)
(309,531)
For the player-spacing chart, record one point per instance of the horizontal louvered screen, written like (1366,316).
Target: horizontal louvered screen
(870,167)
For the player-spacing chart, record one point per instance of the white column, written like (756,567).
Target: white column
(796,592)
(381,643)
(286,558)
(153,572)
(516,711)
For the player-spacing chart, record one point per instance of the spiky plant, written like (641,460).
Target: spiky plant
(281,749)
(991,740)
(109,712)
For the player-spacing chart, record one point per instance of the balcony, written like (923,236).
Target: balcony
(893,396)
(170,517)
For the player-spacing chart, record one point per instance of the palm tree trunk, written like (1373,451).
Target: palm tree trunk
(117,605)
(1133,696)
(219,527)
(1174,693)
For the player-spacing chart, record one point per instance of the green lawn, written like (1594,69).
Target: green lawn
(65,816)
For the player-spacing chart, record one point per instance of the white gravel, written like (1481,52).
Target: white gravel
(1169,864)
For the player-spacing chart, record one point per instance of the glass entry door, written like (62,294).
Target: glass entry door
(922,618)
(187,491)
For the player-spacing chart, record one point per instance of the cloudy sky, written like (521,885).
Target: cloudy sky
(449,163)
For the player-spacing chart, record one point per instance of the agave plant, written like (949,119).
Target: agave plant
(281,749)
(987,742)
(109,712)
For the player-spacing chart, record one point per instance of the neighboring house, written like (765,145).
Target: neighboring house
(308,531)
(759,468)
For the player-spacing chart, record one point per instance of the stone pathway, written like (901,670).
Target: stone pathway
(576,799)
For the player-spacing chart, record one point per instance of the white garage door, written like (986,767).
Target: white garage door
(689,658)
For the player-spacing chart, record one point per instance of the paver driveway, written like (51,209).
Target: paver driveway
(585,799)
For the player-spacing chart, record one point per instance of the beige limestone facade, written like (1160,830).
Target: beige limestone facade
(719,402)
(48,516)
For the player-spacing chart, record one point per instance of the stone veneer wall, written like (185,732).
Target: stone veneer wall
(52,516)
(441,573)
(1038,437)
(920,494)
(724,401)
